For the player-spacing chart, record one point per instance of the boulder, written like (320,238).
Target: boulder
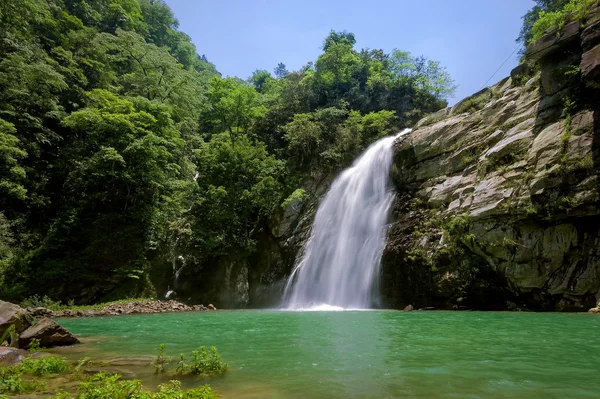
(594,310)
(49,333)
(11,356)
(409,308)
(11,314)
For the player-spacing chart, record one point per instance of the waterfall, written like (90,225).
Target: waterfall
(340,261)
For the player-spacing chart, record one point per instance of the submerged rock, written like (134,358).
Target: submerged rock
(49,333)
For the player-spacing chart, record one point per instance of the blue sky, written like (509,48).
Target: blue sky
(472,38)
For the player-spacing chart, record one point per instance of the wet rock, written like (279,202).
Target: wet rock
(409,308)
(49,333)
(428,308)
(211,306)
(14,315)
(594,310)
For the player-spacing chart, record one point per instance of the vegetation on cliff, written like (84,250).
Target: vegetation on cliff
(122,148)
(551,14)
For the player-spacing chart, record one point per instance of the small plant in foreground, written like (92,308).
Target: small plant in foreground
(34,345)
(103,386)
(204,362)
(162,361)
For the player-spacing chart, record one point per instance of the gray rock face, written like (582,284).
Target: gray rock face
(501,206)
(11,314)
(49,333)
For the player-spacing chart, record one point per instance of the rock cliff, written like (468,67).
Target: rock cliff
(498,197)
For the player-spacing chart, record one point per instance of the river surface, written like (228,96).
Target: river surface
(368,354)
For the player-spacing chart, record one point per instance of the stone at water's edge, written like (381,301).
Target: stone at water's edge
(409,308)
(11,356)
(11,314)
(49,333)
(594,310)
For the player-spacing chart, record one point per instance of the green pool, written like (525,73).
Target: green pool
(371,354)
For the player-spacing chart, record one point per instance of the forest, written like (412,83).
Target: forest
(122,147)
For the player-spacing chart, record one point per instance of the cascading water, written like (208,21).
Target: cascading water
(341,258)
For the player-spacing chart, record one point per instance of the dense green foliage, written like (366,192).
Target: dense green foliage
(40,376)
(101,386)
(121,148)
(549,14)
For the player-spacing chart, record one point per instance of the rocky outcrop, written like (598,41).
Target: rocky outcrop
(48,333)
(498,199)
(13,315)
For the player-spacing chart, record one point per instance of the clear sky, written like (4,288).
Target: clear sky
(472,38)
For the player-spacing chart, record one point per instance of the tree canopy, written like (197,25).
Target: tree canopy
(122,148)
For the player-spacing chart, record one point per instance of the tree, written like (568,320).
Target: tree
(260,79)
(120,164)
(11,173)
(234,106)
(238,187)
(150,71)
(533,15)
(334,37)
(281,71)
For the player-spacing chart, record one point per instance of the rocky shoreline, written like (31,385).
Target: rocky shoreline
(23,328)
(124,308)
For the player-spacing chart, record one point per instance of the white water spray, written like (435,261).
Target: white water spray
(341,259)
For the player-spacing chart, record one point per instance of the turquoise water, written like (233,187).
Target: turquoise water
(371,354)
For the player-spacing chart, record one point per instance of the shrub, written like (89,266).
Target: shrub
(44,365)
(11,382)
(204,362)
(102,386)
(162,361)
(575,9)
(41,302)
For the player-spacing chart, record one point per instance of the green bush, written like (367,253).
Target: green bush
(36,301)
(575,9)
(44,365)
(202,362)
(162,361)
(103,386)
(11,382)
